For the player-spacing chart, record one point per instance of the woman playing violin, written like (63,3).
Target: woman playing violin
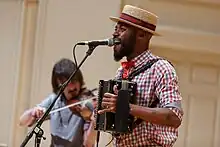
(71,127)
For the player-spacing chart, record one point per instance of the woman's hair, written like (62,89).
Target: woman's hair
(62,70)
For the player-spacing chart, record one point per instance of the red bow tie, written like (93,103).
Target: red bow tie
(127,64)
(126,68)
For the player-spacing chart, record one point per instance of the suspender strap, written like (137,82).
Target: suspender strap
(142,68)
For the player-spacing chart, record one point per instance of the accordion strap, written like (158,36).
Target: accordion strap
(142,68)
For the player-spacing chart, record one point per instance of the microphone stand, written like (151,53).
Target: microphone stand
(37,127)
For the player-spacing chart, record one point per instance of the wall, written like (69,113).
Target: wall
(188,25)
(10,34)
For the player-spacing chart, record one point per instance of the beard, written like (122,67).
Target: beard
(126,48)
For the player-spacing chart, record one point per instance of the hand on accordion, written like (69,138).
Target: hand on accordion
(113,107)
(108,103)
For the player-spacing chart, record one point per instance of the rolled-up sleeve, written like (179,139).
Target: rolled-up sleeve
(167,89)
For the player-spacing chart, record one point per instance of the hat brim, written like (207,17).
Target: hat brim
(116,19)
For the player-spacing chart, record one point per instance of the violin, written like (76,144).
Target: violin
(82,106)
(82,109)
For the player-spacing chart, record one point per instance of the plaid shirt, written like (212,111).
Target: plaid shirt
(159,81)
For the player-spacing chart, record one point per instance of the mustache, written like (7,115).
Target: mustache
(70,91)
(74,90)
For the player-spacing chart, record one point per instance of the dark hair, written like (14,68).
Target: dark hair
(63,69)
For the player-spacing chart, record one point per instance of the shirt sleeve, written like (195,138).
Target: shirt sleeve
(167,89)
(47,101)
(89,105)
(86,125)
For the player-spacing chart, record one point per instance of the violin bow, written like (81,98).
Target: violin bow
(74,104)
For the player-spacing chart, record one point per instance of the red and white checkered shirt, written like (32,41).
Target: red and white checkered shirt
(160,81)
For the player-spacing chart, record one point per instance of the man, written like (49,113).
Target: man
(158,85)
(69,127)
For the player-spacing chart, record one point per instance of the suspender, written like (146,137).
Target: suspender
(142,68)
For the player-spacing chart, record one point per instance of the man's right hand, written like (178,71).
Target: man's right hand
(29,117)
(37,112)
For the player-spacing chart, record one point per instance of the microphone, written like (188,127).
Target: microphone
(109,42)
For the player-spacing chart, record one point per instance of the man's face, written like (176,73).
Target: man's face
(72,89)
(128,40)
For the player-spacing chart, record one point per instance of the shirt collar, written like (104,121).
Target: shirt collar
(142,58)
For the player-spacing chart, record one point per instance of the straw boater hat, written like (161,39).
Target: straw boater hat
(139,18)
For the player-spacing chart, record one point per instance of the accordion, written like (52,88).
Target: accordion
(120,121)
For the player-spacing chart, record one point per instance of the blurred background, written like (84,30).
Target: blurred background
(34,34)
